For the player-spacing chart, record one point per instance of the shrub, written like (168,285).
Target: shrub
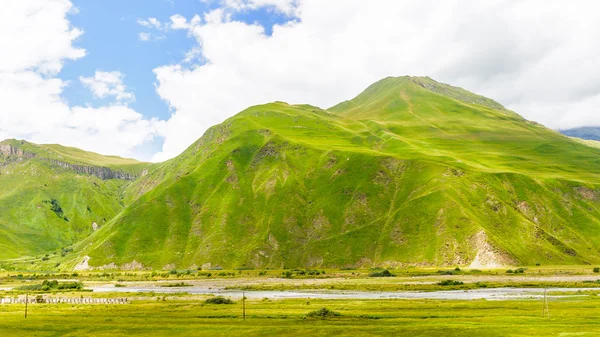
(219,300)
(384,273)
(322,313)
(450,283)
(52,286)
(66,251)
(596,270)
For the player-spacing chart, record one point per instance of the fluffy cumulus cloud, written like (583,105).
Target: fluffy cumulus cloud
(36,39)
(108,84)
(536,57)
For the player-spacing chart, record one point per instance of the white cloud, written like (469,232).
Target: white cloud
(536,57)
(287,7)
(36,39)
(144,36)
(26,27)
(179,22)
(150,23)
(108,84)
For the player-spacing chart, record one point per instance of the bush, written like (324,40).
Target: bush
(323,313)
(384,273)
(596,270)
(219,300)
(52,286)
(450,283)
(66,251)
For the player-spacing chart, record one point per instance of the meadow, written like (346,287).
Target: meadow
(183,314)
(174,316)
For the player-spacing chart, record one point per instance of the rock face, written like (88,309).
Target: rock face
(13,154)
(8,150)
(103,173)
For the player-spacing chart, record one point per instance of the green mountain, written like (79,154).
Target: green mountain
(53,196)
(409,172)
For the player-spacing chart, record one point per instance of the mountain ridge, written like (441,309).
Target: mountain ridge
(406,176)
(410,172)
(53,196)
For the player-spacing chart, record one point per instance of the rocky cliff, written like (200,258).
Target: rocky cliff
(103,173)
(12,154)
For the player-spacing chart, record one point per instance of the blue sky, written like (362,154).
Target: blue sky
(111,39)
(112,43)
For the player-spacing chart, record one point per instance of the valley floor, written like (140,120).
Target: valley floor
(173,303)
(191,317)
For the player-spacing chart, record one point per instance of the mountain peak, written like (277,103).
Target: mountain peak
(391,94)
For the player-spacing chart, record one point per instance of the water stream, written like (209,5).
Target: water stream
(473,294)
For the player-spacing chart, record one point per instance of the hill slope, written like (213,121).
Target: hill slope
(51,195)
(410,172)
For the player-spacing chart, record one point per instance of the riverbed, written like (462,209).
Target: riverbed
(472,294)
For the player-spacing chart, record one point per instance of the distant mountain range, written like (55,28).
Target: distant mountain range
(411,172)
(586,132)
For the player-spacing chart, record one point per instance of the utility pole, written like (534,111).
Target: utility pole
(26,301)
(545,309)
(243,305)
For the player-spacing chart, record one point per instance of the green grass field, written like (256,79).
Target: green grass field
(190,317)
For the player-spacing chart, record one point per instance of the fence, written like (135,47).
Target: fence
(73,300)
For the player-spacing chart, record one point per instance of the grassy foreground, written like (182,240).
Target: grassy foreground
(177,317)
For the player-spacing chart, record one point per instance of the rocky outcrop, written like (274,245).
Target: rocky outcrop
(13,154)
(103,173)
(11,151)
(8,150)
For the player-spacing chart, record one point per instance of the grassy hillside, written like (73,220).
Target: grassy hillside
(410,172)
(46,204)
